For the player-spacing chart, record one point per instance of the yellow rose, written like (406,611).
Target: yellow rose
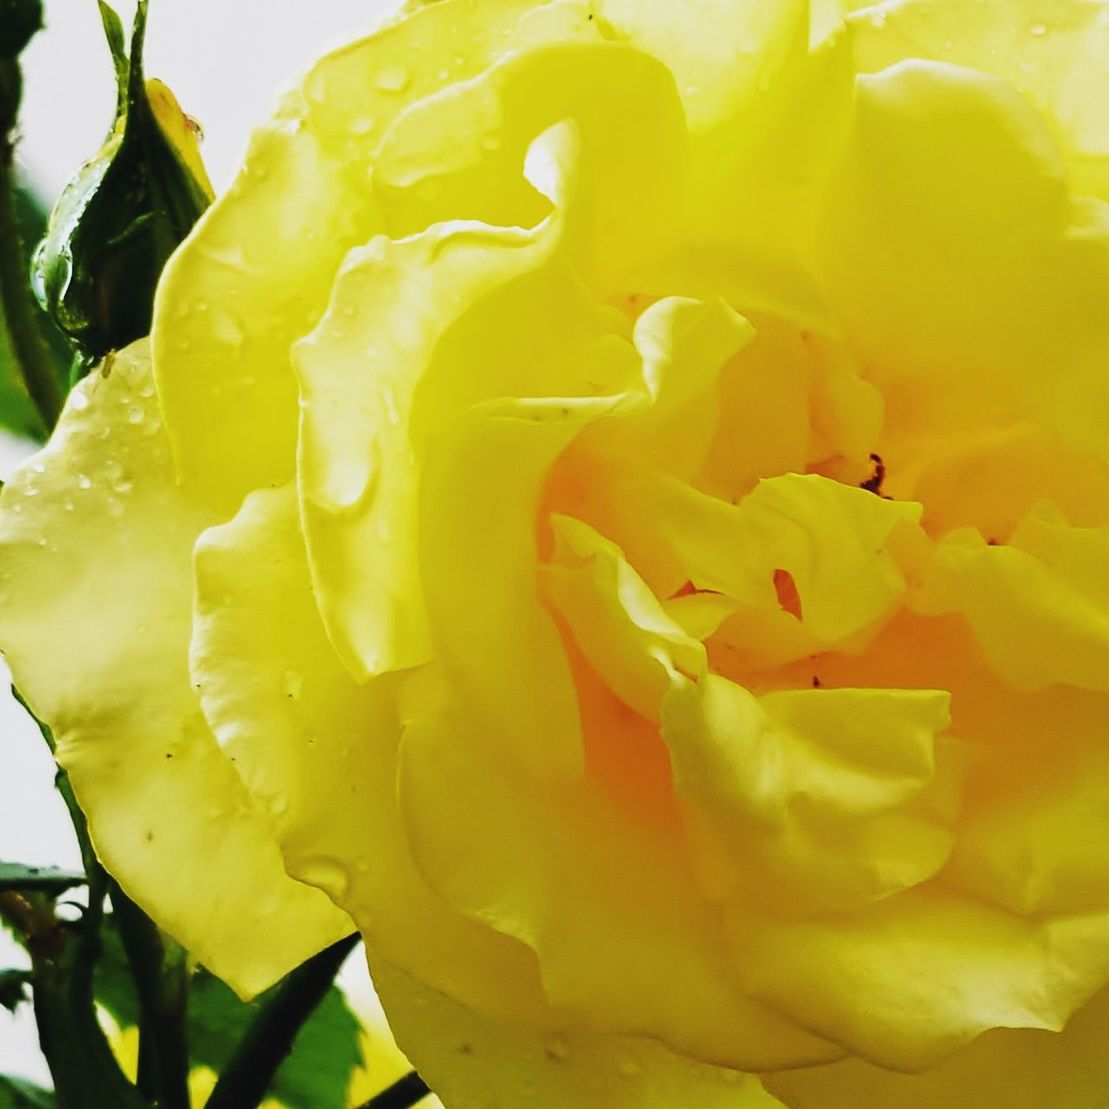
(621,511)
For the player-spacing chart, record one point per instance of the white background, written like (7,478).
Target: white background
(226,60)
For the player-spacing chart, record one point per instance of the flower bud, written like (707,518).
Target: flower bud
(124,212)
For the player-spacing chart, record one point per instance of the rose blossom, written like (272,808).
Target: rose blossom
(621,512)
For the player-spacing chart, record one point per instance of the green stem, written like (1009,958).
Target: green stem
(402,1094)
(269,1039)
(160,972)
(32,353)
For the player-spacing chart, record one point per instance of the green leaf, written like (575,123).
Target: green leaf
(40,879)
(13,988)
(317,1073)
(113,986)
(15,1093)
(17,412)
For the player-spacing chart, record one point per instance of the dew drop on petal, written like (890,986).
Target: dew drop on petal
(557,1049)
(628,1066)
(327,874)
(393,78)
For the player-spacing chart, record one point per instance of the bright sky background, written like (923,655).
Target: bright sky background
(226,60)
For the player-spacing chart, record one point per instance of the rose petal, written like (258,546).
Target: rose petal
(909,980)
(319,754)
(255,274)
(97,545)
(473,1060)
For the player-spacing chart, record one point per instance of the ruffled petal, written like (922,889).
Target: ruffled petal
(256,273)
(358,468)
(479,555)
(905,982)
(459,154)
(619,624)
(684,344)
(1034,830)
(96,549)
(812,564)
(1038,605)
(1017,1068)
(318,753)
(1010,268)
(1053,51)
(471,1059)
(812,798)
(625,943)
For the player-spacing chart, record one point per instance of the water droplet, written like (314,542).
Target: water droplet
(444,73)
(79,400)
(68,504)
(136,415)
(292,682)
(389,399)
(327,874)
(557,1049)
(84,481)
(227,328)
(123,485)
(393,78)
(1038,30)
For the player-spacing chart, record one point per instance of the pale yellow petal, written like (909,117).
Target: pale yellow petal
(620,626)
(472,1060)
(622,946)
(256,273)
(815,798)
(1038,605)
(1018,1069)
(1008,272)
(907,981)
(1053,51)
(318,753)
(96,551)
